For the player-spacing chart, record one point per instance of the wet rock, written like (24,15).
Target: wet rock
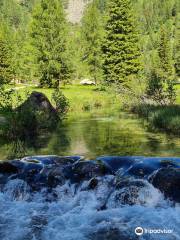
(37,225)
(18,164)
(8,168)
(167,180)
(115,162)
(141,170)
(66,160)
(56,177)
(110,234)
(50,176)
(28,172)
(92,184)
(85,170)
(51,159)
(129,192)
(17,189)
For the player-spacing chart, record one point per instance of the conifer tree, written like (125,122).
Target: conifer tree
(49,39)
(92,33)
(120,48)
(166,63)
(161,80)
(177,45)
(6,71)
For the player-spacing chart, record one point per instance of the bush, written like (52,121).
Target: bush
(86,107)
(97,104)
(61,103)
(20,126)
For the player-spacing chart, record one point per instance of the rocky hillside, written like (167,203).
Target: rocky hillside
(75,10)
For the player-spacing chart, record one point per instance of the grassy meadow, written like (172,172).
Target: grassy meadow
(81,98)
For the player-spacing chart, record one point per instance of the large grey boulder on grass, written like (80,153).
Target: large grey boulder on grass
(39,105)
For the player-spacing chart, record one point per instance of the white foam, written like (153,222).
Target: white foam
(74,214)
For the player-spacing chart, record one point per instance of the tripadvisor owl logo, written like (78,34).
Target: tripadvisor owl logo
(139,231)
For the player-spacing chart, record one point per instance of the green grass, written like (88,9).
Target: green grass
(81,98)
(178,93)
(166,118)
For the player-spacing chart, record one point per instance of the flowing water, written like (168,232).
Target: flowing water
(71,211)
(75,209)
(93,135)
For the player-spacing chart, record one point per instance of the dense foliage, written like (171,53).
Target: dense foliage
(130,45)
(48,34)
(120,48)
(92,33)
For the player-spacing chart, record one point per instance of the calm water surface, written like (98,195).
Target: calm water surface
(93,135)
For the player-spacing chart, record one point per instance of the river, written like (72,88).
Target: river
(93,134)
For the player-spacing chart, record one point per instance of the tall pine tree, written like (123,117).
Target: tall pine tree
(166,64)
(121,51)
(48,34)
(177,43)
(6,69)
(161,79)
(92,33)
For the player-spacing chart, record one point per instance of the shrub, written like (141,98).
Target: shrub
(61,102)
(86,107)
(97,104)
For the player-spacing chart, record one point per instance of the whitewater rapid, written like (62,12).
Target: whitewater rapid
(74,212)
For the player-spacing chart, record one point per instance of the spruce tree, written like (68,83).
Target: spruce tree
(120,48)
(92,33)
(6,71)
(177,45)
(48,34)
(161,80)
(166,63)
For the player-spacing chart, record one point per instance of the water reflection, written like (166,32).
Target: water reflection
(93,136)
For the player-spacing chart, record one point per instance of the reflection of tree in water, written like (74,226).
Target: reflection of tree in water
(59,142)
(112,138)
(17,149)
(53,141)
(153,143)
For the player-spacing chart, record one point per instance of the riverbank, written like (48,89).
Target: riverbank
(81,98)
(163,118)
(89,100)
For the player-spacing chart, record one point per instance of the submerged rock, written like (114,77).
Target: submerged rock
(51,159)
(52,176)
(85,170)
(8,168)
(110,234)
(133,192)
(116,163)
(167,180)
(17,189)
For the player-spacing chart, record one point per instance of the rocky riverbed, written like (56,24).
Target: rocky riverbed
(69,198)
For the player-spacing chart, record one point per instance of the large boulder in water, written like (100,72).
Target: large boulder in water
(85,170)
(132,192)
(167,180)
(8,168)
(39,107)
